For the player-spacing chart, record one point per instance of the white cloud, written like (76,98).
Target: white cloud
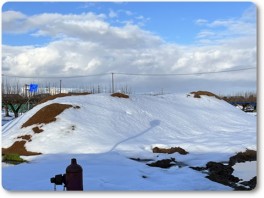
(10,16)
(201,21)
(13,21)
(205,33)
(229,30)
(87,5)
(87,44)
(112,14)
(86,27)
(129,13)
(250,14)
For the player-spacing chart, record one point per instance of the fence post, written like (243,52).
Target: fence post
(113,89)
(60,86)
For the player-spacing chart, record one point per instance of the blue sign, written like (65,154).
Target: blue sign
(33,87)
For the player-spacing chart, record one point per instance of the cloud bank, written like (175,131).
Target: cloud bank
(87,44)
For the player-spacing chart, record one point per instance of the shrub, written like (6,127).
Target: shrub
(13,158)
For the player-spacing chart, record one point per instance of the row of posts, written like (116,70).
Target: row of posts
(113,89)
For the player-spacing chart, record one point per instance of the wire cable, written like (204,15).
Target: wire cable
(187,74)
(81,76)
(135,74)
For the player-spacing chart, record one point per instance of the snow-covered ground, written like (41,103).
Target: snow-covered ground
(246,170)
(5,119)
(106,131)
(104,172)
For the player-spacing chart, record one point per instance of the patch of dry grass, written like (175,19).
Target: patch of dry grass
(198,94)
(119,95)
(46,115)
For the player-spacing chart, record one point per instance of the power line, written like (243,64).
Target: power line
(80,76)
(186,74)
(134,74)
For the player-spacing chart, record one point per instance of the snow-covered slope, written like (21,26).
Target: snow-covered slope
(104,123)
(105,131)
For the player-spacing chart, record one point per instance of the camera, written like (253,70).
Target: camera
(58,179)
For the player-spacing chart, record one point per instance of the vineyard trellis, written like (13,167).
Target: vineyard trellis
(12,84)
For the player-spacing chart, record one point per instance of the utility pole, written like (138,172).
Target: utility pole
(60,86)
(26,86)
(3,84)
(113,86)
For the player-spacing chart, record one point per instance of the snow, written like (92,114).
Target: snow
(245,171)
(108,131)
(104,172)
(7,119)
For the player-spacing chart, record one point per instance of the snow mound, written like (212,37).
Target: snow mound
(135,125)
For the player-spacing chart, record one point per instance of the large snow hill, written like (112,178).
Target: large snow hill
(105,132)
(104,123)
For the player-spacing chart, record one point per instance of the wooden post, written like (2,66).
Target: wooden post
(26,90)
(113,89)
(60,86)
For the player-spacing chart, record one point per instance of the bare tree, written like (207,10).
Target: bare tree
(15,101)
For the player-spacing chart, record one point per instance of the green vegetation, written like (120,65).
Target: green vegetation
(12,158)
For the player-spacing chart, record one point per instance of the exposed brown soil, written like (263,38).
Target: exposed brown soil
(140,159)
(119,95)
(221,173)
(25,137)
(47,114)
(248,155)
(61,95)
(198,94)
(37,130)
(18,148)
(170,150)
(251,184)
(165,163)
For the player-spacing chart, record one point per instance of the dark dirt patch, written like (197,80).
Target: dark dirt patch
(18,148)
(140,160)
(25,137)
(221,173)
(197,168)
(62,95)
(47,114)
(248,155)
(251,184)
(165,163)
(37,130)
(218,172)
(119,95)
(170,150)
(198,94)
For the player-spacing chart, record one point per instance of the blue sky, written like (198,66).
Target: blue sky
(173,21)
(69,38)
